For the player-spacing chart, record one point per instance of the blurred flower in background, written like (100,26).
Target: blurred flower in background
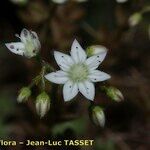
(63,1)
(135,19)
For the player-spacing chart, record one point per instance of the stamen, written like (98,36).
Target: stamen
(78,72)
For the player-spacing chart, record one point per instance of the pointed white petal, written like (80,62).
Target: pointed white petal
(70,90)
(97,76)
(94,61)
(25,34)
(64,61)
(58,77)
(16,47)
(77,53)
(34,35)
(35,39)
(87,89)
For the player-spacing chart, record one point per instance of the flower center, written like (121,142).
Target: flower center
(78,72)
(30,49)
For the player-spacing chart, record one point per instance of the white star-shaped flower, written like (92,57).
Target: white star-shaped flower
(29,45)
(78,72)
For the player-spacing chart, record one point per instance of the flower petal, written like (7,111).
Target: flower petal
(94,61)
(16,47)
(64,61)
(77,53)
(70,90)
(97,76)
(58,77)
(35,39)
(87,89)
(25,34)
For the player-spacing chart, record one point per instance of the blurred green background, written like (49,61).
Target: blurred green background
(96,22)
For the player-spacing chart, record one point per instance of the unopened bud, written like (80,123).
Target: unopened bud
(135,19)
(42,104)
(95,49)
(24,94)
(114,93)
(98,116)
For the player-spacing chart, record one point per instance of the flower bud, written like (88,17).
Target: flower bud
(135,19)
(42,104)
(114,93)
(24,94)
(98,116)
(95,49)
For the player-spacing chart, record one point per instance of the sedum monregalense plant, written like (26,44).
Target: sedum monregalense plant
(78,73)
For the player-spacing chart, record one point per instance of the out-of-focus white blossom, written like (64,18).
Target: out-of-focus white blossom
(78,73)
(63,1)
(29,46)
(135,19)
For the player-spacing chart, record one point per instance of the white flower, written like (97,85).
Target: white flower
(63,1)
(78,72)
(29,45)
